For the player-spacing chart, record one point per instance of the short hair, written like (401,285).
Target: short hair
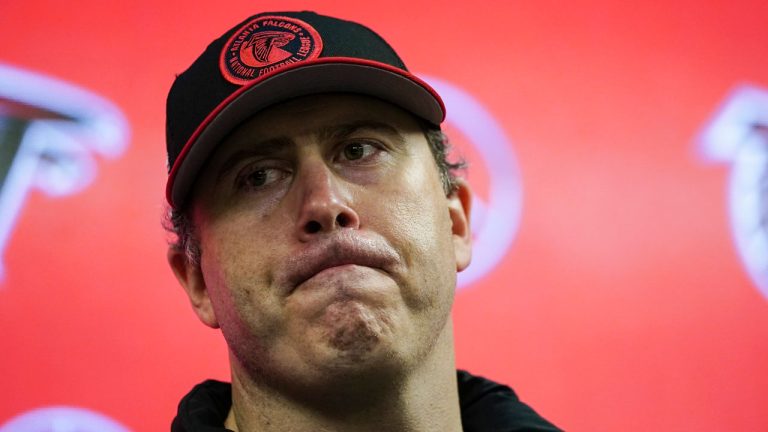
(178,222)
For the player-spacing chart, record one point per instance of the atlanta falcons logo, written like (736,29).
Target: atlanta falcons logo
(266,44)
(52,135)
(738,135)
(264,48)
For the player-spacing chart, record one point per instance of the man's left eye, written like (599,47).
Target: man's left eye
(358,150)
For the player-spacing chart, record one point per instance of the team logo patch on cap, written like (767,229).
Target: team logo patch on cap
(265,44)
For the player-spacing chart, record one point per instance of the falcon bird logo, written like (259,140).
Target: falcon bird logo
(738,135)
(264,48)
(266,44)
(52,134)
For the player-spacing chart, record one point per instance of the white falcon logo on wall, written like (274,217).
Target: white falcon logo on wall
(738,134)
(50,132)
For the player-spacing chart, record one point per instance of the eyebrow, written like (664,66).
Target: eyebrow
(328,133)
(345,130)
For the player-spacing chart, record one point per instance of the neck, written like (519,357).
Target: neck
(423,398)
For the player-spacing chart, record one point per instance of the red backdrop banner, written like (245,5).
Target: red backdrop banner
(619,155)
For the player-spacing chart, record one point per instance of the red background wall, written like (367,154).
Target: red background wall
(621,305)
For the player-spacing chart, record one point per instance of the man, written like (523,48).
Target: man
(321,229)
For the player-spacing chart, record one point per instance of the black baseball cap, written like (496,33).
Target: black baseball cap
(272,57)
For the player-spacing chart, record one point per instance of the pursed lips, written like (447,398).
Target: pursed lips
(338,251)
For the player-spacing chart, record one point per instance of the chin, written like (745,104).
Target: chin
(356,335)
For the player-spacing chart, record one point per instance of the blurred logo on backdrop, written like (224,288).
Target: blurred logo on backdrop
(62,419)
(50,135)
(738,135)
(496,216)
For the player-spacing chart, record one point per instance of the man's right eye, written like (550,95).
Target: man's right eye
(257,178)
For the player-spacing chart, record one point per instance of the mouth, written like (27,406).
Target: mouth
(338,252)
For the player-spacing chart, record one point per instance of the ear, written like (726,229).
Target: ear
(191,279)
(459,207)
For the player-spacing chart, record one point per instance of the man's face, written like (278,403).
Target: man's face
(328,243)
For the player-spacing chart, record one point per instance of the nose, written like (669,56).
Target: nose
(325,204)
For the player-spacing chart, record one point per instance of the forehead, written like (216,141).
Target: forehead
(311,115)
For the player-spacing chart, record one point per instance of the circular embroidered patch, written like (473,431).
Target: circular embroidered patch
(265,44)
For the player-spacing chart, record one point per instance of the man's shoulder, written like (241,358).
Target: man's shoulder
(489,406)
(205,408)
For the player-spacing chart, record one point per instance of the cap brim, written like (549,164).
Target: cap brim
(326,75)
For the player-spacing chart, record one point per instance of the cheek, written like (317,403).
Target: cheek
(238,250)
(239,279)
(420,213)
(416,221)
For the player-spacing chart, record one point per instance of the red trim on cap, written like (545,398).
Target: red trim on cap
(336,60)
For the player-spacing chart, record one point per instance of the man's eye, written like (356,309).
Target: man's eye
(259,177)
(358,150)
